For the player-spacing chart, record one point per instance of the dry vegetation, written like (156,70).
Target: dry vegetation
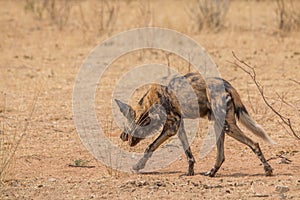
(43,45)
(209,14)
(288,14)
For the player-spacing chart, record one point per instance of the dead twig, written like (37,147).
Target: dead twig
(81,166)
(248,69)
(285,102)
(294,81)
(279,156)
(249,100)
(283,160)
(6,162)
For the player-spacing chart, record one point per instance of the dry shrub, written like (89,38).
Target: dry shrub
(145,13)
(108,14)
(12,131)
(65,12)
(58,11)
(288,14)
(208,13)
(9,140)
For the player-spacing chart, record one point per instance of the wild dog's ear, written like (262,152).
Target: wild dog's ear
(126,109)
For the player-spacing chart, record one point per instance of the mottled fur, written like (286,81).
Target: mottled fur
(141,115)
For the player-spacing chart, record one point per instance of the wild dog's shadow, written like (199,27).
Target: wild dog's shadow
(238,175)
(234,175)
(160,173)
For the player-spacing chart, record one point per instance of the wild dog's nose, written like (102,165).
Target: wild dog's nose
(124,136)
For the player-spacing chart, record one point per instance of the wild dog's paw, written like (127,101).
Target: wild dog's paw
(190,173)
(268,170)
(140,165)
(134,170)
(210,173)
(191,169)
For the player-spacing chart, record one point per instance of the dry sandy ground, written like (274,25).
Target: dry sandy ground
(38,59)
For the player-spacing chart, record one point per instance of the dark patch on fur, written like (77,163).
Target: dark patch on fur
(158,95)
(144,120)
(189,75)
(195,78)
(239,110)
(141,101)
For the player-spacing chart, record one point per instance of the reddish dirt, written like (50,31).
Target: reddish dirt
(38,59)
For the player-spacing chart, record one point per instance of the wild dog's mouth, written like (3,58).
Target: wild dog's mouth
(132,141)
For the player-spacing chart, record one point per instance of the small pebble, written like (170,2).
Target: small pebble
(51,179)
(281,189)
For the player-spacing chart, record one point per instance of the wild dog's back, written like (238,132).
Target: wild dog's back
(185,95)
(190,91)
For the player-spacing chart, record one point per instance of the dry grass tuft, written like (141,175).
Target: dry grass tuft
(208,13)
(12,131)
(57,11)
(288,14)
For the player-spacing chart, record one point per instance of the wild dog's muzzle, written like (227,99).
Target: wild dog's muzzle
(132,141)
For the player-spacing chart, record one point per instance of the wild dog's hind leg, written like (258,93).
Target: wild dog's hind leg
(235,132)
(170,128)
(220,156)
(187,150)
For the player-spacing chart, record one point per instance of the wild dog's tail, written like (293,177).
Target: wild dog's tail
(243,116)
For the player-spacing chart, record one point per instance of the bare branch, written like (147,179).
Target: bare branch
(285,102)
(82,166)
(250,102)
(18,142)
(248,69)
(294,81)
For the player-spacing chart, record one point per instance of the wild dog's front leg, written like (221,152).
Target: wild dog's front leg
(149,151)
(187,150)
(170,128)
(142,162)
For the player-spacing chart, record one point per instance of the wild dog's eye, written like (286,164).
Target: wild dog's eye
(146,121)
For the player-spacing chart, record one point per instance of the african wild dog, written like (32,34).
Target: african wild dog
(140,115)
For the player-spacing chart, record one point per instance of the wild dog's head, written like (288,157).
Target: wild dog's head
(140,124)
